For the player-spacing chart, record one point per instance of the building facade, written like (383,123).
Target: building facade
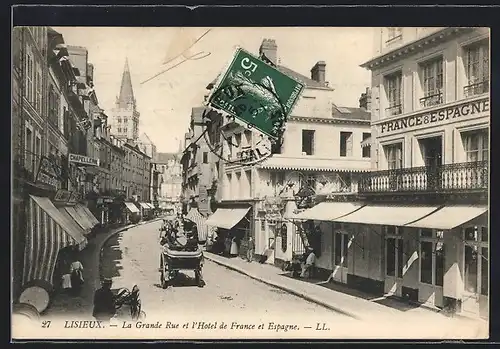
(137,169)
(169,178)
(419,227)
(125,116)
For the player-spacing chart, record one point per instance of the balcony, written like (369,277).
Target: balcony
(446,178)
(431,100)
(394,110)
(477,88)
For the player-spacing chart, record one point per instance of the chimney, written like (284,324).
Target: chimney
(365,101)
(318,72)
(269,49)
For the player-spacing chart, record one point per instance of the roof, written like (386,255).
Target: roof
(350,113)
(308,82)
(126,90)
(144,138)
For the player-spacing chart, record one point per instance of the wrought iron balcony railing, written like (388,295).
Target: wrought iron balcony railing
(477,88)
(430,100)
(444,178)
(394,110)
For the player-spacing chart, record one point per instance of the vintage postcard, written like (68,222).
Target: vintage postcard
(250,183)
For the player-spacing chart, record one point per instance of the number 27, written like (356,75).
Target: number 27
(251,66)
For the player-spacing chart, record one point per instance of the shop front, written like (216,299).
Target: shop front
(130,212)
(234,227)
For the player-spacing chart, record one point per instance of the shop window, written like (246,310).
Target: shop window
(477,68)
(345,144)
(308,142)
(431,78)
(476,145)
(394,252)
(476,269)
(394,90)
(432,251)
(394,155)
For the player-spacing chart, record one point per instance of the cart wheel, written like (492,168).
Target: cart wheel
(198,278)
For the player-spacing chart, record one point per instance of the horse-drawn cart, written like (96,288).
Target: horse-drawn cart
(172,261)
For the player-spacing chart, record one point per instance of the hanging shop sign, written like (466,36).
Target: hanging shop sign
(304,198)
(273,208)
(437,116)
(74,198)
(48,172)
(84,160)
(256,94)
(62,195)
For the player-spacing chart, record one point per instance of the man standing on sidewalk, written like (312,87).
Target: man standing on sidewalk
(250,249)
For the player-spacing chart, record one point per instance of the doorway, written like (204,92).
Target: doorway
(341,244)
(271,243)
(432,154)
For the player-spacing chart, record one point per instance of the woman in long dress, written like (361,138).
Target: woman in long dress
(76,271)
(234,247)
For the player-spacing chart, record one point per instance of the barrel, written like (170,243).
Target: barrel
(36,296)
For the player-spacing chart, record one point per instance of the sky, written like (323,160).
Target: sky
(165,101)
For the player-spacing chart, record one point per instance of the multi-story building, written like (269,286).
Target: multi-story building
(137,169)
(125,116)
(321,151)
(420,227)
(169,178)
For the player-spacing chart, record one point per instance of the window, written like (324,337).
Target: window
(394,252)
(119,129)
(308,142)
(394,154)
(230,145)
(29,76)
(29,148)
(119,120)
(394,33)
(366,149)
(477,68)
(237,140)
(476,145)
(38,152)
(125,130)
(54,104)
(345,143)
(431,257)
(277,178)
(393,90)
(432,82)
(38,83)
(476,272)
(205,157)
(125,120)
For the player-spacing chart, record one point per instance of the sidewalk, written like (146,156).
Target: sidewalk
(352,303)
(80,306)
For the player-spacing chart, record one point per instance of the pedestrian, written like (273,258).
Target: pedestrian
(307,267)
(77,280)
(234,247)
(250,249)
(104,302)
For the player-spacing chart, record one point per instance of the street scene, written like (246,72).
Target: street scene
(234,189)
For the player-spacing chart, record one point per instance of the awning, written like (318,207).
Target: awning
(71,221)
(79,217)
(90,216)
(201,223)
(131,207)
(48,231)
(387,215)
(327,211)
(150,205)
(144,205)
(227,218)
(449,217)
(366,143)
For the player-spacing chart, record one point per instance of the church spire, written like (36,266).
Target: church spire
(126,92)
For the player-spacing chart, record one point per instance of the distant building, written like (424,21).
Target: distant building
(147,146)
(136,172)
(169,177)
(125,116)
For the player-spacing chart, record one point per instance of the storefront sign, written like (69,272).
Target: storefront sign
(74,198)
(62,195)
(436,116)
(256,93)
(84,160)
(273,207)
(304,198)
(48,172)
(249,155)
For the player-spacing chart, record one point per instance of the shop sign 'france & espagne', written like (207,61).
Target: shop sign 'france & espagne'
(437,116)
(48,172)
(256,94)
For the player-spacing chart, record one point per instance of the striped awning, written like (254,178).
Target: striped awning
(150,205)
(71,221)
(90,216)
(366,143)
(48,231)
(144,205)
(200,221)
(131,207)
(277,162)
(79,217)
